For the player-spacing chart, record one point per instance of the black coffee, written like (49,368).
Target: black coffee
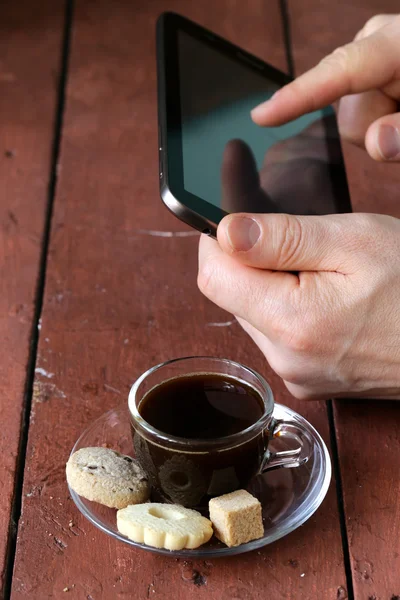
(194,407)
(202,406)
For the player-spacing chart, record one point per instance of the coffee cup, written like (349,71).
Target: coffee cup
(189,470)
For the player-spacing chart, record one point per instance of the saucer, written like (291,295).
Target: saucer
(289,496)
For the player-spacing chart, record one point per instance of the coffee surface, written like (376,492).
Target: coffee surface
(202,406)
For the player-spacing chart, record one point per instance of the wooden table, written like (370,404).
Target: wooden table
(93,294)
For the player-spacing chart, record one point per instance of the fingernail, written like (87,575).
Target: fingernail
(243,233)
(388,142)
(258,110)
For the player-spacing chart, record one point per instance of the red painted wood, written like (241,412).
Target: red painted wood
(30,38)
(118,299)
(367,432)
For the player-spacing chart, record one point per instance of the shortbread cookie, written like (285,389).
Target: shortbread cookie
(164,526)
(108,477)
(236,518)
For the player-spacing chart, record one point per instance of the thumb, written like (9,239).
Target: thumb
(282,242)
(382,140)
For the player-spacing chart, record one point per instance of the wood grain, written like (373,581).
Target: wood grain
(30,39)
(120,298)
(367,432)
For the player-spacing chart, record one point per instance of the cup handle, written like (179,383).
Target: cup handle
(287,458)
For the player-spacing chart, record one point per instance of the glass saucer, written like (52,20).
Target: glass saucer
(288,496)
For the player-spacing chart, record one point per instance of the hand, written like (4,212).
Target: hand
(369,70)
(334,327)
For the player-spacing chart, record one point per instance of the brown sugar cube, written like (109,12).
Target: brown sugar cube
(236,518)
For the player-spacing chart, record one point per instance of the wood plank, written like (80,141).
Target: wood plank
(119,299)
(367,432)
(30,39)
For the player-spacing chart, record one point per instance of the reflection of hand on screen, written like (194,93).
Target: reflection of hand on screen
(241,190)
(302,174)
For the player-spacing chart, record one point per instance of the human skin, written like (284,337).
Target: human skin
(320,295)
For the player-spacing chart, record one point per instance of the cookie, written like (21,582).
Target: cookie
(108,477)
(166,526)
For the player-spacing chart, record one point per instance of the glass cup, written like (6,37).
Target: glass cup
(190,471)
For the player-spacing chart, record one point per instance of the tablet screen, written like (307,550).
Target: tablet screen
(235,165)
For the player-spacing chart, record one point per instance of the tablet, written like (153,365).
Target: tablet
(213,160)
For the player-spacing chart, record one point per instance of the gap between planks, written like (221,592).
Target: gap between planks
(41,280)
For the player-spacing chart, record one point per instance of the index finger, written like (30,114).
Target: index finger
(365,64)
